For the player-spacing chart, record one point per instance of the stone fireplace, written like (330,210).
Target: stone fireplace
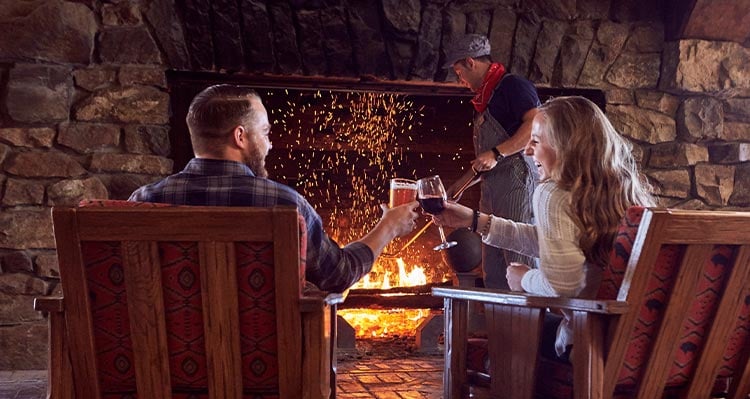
(85,104)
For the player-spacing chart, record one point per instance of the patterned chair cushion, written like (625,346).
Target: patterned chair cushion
(184,314)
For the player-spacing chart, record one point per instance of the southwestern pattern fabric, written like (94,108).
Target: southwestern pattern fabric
(183,305)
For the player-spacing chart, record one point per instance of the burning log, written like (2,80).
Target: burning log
(418,297)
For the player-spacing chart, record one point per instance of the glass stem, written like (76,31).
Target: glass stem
(442,234)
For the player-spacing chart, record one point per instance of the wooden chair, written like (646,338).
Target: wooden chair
(185,302)
(672,320)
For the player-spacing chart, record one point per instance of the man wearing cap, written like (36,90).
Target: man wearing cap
(505,105)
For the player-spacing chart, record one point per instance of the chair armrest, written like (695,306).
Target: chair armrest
(49,304)
(510,298)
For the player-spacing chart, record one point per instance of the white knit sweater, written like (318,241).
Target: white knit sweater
(563,270)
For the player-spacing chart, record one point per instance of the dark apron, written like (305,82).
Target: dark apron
(506,192)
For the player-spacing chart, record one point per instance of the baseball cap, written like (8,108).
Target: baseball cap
(469,45)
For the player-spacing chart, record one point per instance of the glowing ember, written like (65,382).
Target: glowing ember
(370,323)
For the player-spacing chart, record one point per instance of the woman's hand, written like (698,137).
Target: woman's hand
(514,273)
(454,215)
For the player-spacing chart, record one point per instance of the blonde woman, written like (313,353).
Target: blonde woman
(588,178)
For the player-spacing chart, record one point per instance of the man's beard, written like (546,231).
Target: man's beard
(257,163)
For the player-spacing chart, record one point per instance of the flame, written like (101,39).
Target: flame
(382,322)
(372,323)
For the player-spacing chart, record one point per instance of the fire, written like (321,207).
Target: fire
(382,322)
(414,277)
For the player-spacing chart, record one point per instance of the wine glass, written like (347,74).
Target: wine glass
(431,194)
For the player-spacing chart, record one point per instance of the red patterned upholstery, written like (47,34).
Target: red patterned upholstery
(184,314)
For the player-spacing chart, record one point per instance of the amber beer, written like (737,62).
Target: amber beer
(402,191)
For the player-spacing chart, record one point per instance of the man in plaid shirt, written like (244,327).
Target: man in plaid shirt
(229,130)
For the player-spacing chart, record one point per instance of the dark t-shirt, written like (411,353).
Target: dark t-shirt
(513,97)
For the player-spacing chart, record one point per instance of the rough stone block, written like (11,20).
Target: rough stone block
(128,46)
(121,14)
(24,346)
(670,155)
(4,150)
(642,125)
(28,137)
(647,38)
(133,75)
(15,308)
(658,101)
(89,137)
(146,164)
(94,78)
(39,93)
(23,284)
(705,66)
(168,32)
(147,140)
(545,57)
(71,192)
(728,153)
(737,110)
(43,164)
(34,30)
(26,230)
(15,262)
(23,192)
(635,71)
(132,104)
(700,118)
(714,183)
(741,194)
(46,265)
(671,183)
(735,131)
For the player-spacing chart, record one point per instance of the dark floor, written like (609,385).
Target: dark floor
(390,369)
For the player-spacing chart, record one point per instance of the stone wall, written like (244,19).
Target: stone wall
(84,107)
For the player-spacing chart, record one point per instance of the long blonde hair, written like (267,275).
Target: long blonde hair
(596,165)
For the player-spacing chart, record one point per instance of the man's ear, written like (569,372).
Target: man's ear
(239,136)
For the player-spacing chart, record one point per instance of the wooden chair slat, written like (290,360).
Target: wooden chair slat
(79,325)
(221,319)
(516,330)
(288,319)
(664,348)
(721,327)
(589,385)
(142,268)
(456,336)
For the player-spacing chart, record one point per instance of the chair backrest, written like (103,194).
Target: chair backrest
(165,301)
(687,280)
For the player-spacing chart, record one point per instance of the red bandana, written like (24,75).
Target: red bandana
(491,78)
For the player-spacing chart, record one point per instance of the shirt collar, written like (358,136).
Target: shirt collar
(217,167)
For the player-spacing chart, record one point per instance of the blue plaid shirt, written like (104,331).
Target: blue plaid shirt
(227,183)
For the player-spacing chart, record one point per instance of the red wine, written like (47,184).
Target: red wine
(432,205)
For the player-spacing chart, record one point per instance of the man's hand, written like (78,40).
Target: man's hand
(514,273)
(485,161)
(401,219)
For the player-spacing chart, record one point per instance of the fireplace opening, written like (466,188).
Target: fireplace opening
(338,142)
